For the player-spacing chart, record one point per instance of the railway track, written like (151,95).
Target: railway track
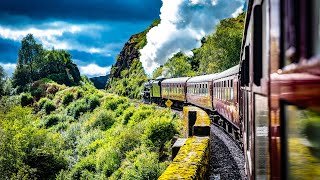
(226,155)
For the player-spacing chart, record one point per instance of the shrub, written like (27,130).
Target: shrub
(104,120)
(113,103)
(127,115)
(68,98)
(48,107)
(41,102)
(140,115)
(141,163)
(51,120)
(79,94)
(159,131)
(84,168)
(26,99)
(77,108)
(93,102)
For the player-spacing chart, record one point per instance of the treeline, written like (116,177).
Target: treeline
(218,52)
(34,63)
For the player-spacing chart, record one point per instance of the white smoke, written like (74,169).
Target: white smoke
(183,24)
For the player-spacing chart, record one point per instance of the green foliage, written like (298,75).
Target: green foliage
(102,119)
(221,50)
(113,103)
(130,84)
(81,106)
(51,120)
(67,98)
(2,81)
(178,66)
(157,72)
(26,99)
(46,105)
(159,131)
(35,63)
(141,163)
(26,151)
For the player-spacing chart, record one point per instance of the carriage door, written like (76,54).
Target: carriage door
(246,109)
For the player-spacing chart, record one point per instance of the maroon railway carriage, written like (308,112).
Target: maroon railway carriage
(175,90)
(199,91)
(280,89)
(225,98)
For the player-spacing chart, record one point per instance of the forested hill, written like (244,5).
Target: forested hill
(127,74)
(219,51)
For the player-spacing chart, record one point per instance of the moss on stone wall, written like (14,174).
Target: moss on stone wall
(191,162)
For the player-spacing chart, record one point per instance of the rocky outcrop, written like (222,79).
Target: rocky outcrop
(130,51)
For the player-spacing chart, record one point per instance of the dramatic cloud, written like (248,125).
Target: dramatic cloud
(183,24)
(93,70)
(76,10)
(94,32)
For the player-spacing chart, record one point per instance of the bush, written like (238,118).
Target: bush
(141,163)
(77,108)
(140,115)
(84,167)
(126,115)
(93,102)
(68,98)
(104,120)
(113,103)
(51,120)
(48,107)
(41,102)
(26,99)
(159,131)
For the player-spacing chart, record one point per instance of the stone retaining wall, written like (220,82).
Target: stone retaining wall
(192,160)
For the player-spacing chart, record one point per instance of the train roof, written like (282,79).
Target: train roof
(176,80)
(228,72)
(203,78)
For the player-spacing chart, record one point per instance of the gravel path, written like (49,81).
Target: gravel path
(227,160)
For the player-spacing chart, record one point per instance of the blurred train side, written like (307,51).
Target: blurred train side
(280,89)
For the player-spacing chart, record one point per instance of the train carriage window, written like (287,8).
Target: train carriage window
(246,73)
(257,44)
(302,127)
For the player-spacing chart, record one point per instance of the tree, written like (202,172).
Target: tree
(157,72)
(35,63)
(29,55)
(178,66)
(2,80)
(221,50)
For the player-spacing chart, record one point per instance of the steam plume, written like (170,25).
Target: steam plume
(183,24)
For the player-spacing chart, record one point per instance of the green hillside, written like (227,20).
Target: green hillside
(53,130)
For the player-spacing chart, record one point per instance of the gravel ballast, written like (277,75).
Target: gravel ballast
(226,159)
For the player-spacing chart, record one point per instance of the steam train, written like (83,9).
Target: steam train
(271,100)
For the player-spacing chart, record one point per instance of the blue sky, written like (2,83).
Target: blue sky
(92,31)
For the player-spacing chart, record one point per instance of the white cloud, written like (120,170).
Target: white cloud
(237,12)
(49,37)
(94,70)
(8,68)
(183,24)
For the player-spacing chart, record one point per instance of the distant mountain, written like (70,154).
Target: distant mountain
(100,82)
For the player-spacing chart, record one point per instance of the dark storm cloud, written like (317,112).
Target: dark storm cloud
(8,51)
(93,31)
(77,10)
